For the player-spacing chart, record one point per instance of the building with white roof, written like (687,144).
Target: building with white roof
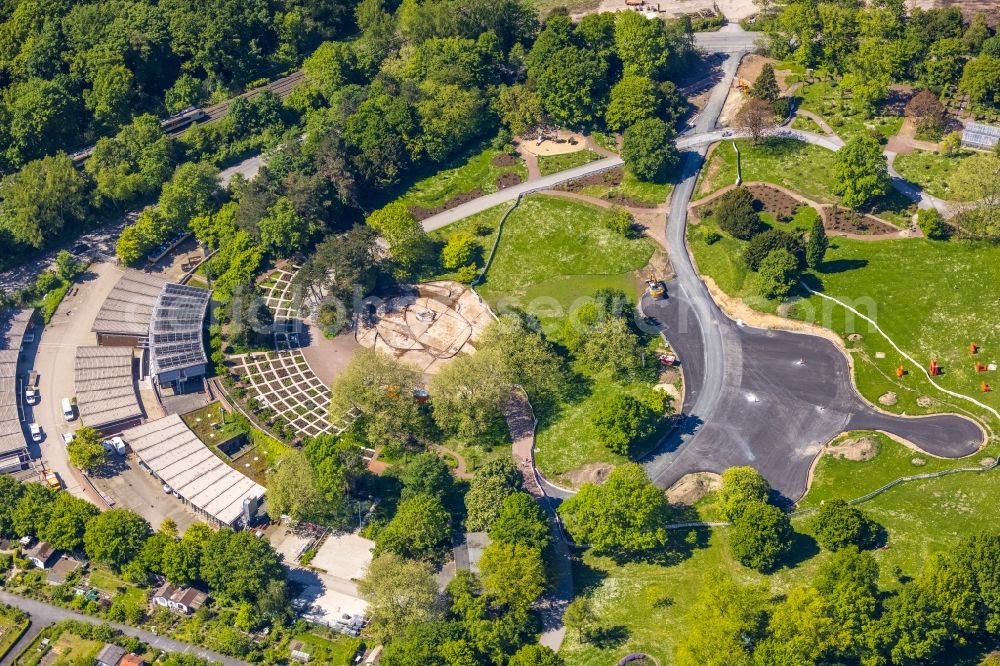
(195,474)
(105,388)
(13,446)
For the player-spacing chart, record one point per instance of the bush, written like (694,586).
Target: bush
(778,274)
(622,421)
(712,237)
(769,241)
(466,274)
(459,251)
(741,486)
(782,107)
(932,224)
(735,214)
(761,537)
(837,525)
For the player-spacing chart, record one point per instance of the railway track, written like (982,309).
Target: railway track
(281,87)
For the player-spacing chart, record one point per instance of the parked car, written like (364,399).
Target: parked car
(118,445)
(68,412)
(52,481)
(68,437)
(167,489)
(36,432)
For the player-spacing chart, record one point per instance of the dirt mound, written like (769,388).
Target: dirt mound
(503,160)
(846,221)
(692,487)
(888,399)
(855,337)
(422,213)
(988,462)
(924,401)
(611,178)
(857,449)
(508,179)
(592,473)
(919,462)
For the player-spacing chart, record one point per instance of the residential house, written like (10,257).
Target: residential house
(61,569)
(179,599)
(41,555)
(132,660)
(110,655)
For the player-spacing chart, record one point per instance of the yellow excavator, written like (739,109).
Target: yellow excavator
(654,287)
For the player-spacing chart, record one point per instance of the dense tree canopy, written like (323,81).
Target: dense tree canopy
(861,171)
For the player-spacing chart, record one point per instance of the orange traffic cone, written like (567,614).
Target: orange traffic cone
(986,387)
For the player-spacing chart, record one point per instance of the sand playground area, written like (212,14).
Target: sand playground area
(553,143)
(427,326)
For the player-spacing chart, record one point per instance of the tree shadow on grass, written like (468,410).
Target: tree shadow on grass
(842,266)
(586,578)
(804,548)
(608,637)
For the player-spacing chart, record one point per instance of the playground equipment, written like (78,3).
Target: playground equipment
(900,371)
(934,370)
(655,287)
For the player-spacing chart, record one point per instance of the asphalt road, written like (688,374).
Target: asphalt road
(769,399)
(43,614)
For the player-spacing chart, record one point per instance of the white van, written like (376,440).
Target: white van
(67,408)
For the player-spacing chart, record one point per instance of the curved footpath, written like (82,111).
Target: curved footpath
(43,614)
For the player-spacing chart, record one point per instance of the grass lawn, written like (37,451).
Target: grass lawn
(105,580)
(650,602)
(335,650)
(632,188)
(553,255)
(806,125)
(799,166)
(833,104)
(71,649)
(478,172)
(203,422)
(928,296)
(483,226)
(555,252)
(930,170)
(796,165)
(548,164)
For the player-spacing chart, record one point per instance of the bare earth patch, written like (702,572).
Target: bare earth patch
(858,449)
(503,160)
(508,179)
(925,401)
(422,213)
(591,473)
(692,487)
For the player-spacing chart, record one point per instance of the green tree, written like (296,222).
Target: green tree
(572,86)
(293,489)
(283,231)
(513,575)
(238,566)
(649,151)
(401,593)
(766,85)
(459,251)
(860,171)
(86,450)
(932,224)
(111,95)
(622,421)
(633,98)
(612,347)
(133,163)
(726,620)
(331,66)
(521,521)
(761,536)
(420,529)
(181,561)
(764,244)
(67,266)
(66,522)
(115,537)
(735,214)
(450,117)
(779,272)
(800,631)
(817,244)
(494,482)
(740,487)
(837,525)
(519,108)
(38,201)
(29,516)
(536,655)
(188,193)
(849,583)
(641,44)
(624,515)
(427,474)
(185,92)
(10,493)
(981,79)
(376,384)
(756,117)
(40,117)
(408,243)
(977,179)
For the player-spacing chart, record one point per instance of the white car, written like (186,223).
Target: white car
(31,395)
(68,437)
(167,489)
(36,432)
(118,444)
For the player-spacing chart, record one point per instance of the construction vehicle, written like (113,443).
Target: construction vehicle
(743,85)
(52,480)
(654,287)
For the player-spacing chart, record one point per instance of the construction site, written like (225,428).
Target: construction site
(425,326)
